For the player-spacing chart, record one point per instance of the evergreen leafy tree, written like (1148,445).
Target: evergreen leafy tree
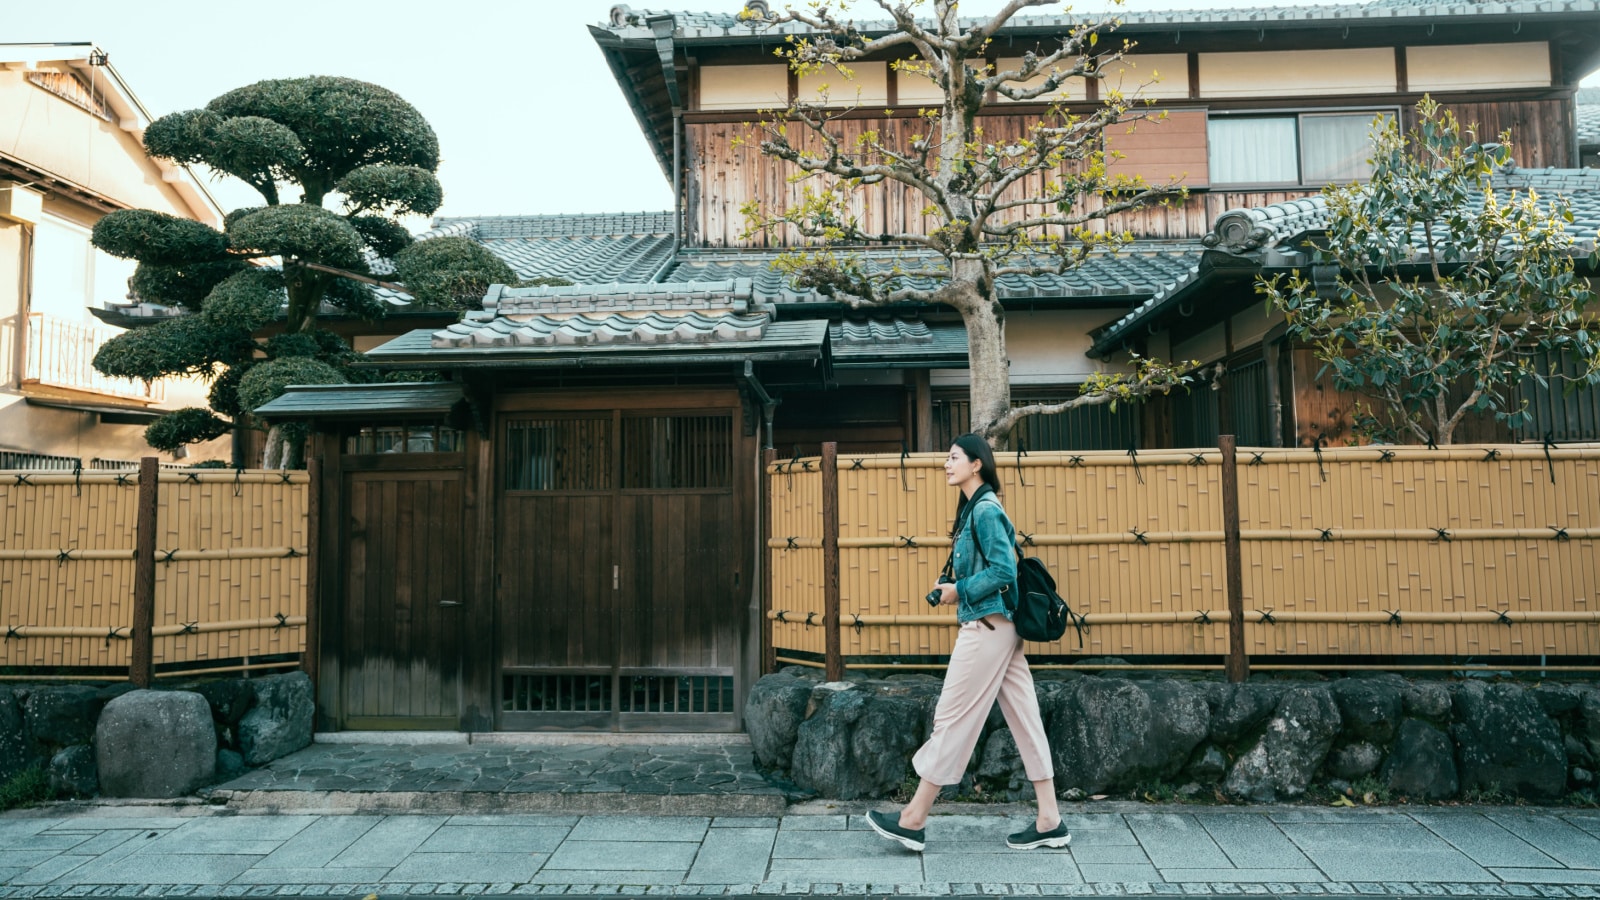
(336,162)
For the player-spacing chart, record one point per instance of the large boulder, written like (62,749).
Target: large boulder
(14,752)
(1587,726)
(73,772)
(1353,760)
(772,716)
(60,716)
(1290,751)
(1111,732)
(1369,707)
(1000,767)
(1422,764)
(1507,743)
(1239,709)
(858,741)
(1426,700)
(280,721)
(156,744)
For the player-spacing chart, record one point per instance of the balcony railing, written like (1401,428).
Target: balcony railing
(60,354)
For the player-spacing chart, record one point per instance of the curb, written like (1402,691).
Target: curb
(477,802)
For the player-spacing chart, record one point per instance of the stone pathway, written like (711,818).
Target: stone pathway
(1125,850)
(511,776)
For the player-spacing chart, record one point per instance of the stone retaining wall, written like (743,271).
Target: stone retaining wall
(152,743)
(1264,741)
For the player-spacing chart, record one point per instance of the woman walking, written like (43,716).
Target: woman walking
(986,663)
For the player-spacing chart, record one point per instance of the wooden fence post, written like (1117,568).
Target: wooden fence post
(144,574)
(830,560)
(769,653)
(310,658)
(1238,662)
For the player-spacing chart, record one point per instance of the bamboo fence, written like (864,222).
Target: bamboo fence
(226,570)
(1451,554)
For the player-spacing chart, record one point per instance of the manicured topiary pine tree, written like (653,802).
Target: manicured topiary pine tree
(336,162)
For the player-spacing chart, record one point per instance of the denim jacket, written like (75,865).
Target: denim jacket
(978,586)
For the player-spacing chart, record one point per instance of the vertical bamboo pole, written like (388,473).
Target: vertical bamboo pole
(769,662)
(310,657)
(144,573)
(1238,662)
(830,560)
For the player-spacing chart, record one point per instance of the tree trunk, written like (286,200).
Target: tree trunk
(989,371)
(273,452)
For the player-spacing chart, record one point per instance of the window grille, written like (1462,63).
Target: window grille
(558,455)
(668,452)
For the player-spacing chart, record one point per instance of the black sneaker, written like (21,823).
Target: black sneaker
(1031,837)
(889,826)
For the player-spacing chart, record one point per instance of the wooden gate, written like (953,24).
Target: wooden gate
(399,634)
(619,566)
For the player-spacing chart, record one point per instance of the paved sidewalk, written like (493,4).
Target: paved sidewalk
(1118,849)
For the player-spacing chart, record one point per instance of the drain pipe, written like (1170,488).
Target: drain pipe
(769,404)
(662,27)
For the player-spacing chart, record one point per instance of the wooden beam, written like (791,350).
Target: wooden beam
(310,657)
(144,574)
(769,661)
(1238,662)
(830,559)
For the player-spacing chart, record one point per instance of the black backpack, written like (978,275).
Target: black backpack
(1038,611)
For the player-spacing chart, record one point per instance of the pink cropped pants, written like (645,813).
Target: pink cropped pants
(984,665)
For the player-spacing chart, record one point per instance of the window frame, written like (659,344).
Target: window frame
(1299,114)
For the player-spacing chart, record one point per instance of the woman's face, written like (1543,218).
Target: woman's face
(959,468)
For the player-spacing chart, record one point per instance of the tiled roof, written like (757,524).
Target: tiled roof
(730,295)
(600,330)
(1134,273)
(359,399)
(902,342)
(724,25)
(802,340)
(1250,233)
(1588,124)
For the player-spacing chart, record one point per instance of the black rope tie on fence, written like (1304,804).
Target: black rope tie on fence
(1560,533)
(1316,447)
(1549,462)
(858,624)
(1133,454)
(1197,459)
(858,465)
(1138,535)
(62,556)
(1442,534)
(12,632)
(789,469)
(190,628)
(1432,445)
(1204,618)
(1491,454)
(1394,617)
(1258,458)
(283,620)
(283,477)
(1502,618)
(805,465)
(1385,456)
(113,634)
(905,451)
(238,482)
(1075,462)
(291,553)
(123,478)
(77,478)
(809,617)
(194,478)
(168,556)
(792,543)
(907,541)
(1266,617)
(1326,534)
(1027,539)
(782,616)
(22,478)
(1022,450)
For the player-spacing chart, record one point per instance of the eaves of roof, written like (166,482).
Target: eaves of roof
(302,401)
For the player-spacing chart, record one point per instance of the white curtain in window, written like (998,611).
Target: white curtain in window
(1338,148)
(1253,151)
(62,269)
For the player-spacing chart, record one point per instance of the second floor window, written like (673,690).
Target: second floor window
(70,274)
(1309,150)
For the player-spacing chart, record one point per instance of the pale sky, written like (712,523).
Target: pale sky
(528,116)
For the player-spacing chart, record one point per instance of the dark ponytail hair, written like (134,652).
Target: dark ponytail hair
(976,448)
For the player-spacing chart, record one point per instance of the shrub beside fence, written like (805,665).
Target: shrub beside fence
(1439,556)
(226,566)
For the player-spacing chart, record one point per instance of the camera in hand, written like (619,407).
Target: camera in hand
(934,595)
